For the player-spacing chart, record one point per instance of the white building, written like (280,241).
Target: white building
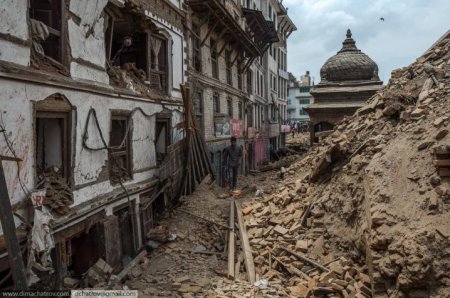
(299,98)
(78,77)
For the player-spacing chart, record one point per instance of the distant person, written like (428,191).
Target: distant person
(233,159)
(293,130)
(297,127)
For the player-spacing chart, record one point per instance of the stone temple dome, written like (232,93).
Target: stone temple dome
(349,64)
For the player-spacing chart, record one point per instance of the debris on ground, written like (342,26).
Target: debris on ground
(362,214)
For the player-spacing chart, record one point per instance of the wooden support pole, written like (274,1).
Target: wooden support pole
(305,259)
(122,274)
(208,34)
(9,231)
(205,219)
(292,269)
(231,243)
(245,243)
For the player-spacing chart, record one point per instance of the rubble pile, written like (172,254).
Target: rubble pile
(58,193)
(370,204)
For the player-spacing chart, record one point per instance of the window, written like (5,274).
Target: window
(138,51)
(120,144)
(274,78)
(261,83)
(302,112)
(230,107)
(304,89)
(257,84)
(250,116)
(162,135)
(50,13)
(229,70)
(158,63)
(197,102)
(216,103)
(240,111)
(52,143)
(249,81)
(289,102)
(239,77)
(304,101)
(198,109)
(196,52)
(214,59)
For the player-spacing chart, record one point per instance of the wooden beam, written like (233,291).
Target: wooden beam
(131,265)
(292,269)
(245,243)
(231,243)
(209,33)
(222,49)
(307,260)
(9,158)
(442,162)
(205,219)
(9,231)
(234,60)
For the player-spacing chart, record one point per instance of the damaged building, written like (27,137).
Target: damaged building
(91,105)
(238,72)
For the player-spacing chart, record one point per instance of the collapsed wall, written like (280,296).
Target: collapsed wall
(385,193)
(376,191)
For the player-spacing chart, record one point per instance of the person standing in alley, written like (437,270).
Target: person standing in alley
(233,159)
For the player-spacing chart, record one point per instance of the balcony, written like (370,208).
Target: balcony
(221,18)
(262,32)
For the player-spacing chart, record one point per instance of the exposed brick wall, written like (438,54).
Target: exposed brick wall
(163,9)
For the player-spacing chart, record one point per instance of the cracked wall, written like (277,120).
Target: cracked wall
(87,40)
(14,34)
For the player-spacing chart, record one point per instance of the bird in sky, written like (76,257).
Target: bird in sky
(382,19)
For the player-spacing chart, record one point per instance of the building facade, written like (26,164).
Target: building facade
(237,70)
(299,98)
(90,104)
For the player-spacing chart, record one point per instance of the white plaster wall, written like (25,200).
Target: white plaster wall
(17,116)
(177,3)
(12,52)
(143,139)
(87,41)
(13,16)
(177,62)
(15,108)
(177,117)
(83,72)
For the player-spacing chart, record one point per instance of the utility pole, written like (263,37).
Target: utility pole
(9,232)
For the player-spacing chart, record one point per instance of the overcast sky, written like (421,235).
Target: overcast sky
(409,28)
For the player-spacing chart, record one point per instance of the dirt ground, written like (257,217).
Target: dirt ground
(195,263)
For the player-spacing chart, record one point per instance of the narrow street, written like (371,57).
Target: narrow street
(224,148)
(195,263)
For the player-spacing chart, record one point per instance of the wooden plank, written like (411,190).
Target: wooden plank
(442,162)
(249,263)
(131,265)
(292,269)
(307,260)
(444,172)
(9,231)
(9,158)
(205,219)
(231,243)
(237,267)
